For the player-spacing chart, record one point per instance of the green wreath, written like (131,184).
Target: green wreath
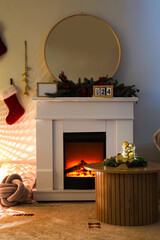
(68,88)
(137,162)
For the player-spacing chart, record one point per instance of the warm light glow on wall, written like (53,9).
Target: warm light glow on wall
(17,146)
(17,141)
(26,171)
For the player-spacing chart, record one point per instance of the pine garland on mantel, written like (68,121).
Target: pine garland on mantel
(67,88)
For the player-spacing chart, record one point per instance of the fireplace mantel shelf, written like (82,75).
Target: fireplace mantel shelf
(84,108)
(85,99)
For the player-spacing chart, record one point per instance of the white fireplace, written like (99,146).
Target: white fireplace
(56,116)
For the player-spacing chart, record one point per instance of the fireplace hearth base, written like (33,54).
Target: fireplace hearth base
(64,195)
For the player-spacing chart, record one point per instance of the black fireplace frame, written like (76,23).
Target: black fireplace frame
(82,182)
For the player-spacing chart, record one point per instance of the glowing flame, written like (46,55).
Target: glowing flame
(78,170)
(81,174)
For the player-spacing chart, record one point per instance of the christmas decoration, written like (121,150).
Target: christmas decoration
(26,69)
(128,153)
(67,88)
(127,156)
(8,95)
(3,48)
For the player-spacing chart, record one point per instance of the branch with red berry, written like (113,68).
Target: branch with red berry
(67,88)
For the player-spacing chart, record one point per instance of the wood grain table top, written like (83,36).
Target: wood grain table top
(152,167)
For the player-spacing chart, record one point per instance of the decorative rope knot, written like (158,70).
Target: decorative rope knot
(12,190)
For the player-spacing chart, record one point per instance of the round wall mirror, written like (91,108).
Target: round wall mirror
(82,46)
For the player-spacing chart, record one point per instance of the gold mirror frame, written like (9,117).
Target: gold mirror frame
(82,53)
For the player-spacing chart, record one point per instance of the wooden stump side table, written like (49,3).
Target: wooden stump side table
(126,196)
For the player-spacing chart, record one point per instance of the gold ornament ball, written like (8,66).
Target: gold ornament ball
(125,144)
(119,158)
(131,155)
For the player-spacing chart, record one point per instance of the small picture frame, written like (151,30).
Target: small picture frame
(103,91)
(46,87)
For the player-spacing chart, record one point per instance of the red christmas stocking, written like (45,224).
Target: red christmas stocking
(15,109)
(3,48)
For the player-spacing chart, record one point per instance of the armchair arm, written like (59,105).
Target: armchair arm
(156,139)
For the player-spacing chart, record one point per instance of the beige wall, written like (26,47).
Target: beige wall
(136,24)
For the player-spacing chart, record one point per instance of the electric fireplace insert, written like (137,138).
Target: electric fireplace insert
(81,149)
